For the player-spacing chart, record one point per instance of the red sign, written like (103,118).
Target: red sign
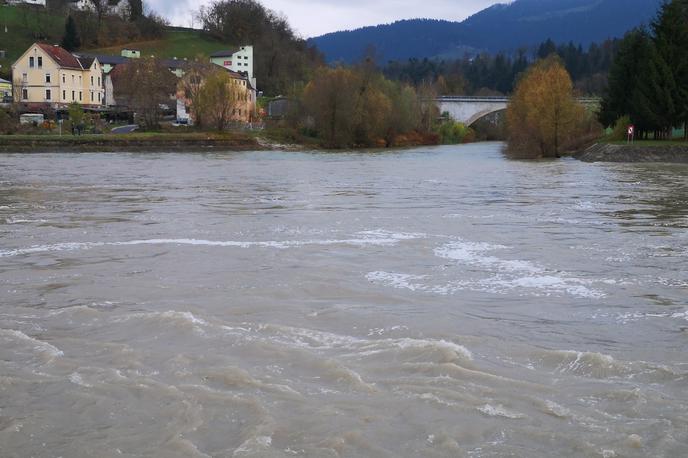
(228,63)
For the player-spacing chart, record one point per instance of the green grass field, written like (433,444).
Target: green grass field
(177,43)
(26,25)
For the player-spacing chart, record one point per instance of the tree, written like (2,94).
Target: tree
(76,113)
(652,102)
(71,40)
(216,99)
(359,107)
(330,98)
(670,30)
(543,117)
(144,85)
(283,59)
(135,10)
(623,78)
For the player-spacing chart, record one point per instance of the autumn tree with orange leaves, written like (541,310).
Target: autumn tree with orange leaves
(543,117)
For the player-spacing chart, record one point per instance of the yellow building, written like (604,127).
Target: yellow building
(244,95)
(48,75)
(5,89)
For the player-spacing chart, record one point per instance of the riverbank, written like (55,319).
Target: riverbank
(667,152)
(194,141)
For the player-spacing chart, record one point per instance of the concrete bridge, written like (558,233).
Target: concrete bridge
(468,110)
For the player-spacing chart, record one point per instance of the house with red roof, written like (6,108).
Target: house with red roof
(50,76)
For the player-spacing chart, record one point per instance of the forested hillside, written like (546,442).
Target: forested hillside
(502,27)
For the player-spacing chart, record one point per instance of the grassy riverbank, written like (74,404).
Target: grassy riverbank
(144,141)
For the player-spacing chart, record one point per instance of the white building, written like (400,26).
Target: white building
(114,8)
(26,2)
(237,60)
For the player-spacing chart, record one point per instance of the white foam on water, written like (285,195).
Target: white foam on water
(24,221)
(681,315)
(38,345)
(253,445)
(461,351)
(500,411)
(76,379)
(507,275)
(557,410)
(48,248)
(181,319)
(397,280)
(632,317)
(473,253)
(578,360)
(366,238)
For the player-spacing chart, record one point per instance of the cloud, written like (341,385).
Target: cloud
(316,17)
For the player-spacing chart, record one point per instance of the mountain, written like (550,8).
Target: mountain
(501,27)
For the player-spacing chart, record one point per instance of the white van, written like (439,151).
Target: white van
(31,118)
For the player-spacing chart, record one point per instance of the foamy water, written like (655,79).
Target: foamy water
(426,303)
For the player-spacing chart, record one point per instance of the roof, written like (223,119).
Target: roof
(86,62)
(174,63)
(227,53)
(61,56)
(106,59)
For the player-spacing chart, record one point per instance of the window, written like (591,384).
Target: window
(91,81)
(79,79)
(40,62)
(64,95)
(72,79)
(32,62)
(80,98)
(99,97)
(99,81)
(73,96)
(48,94)
(64,79)
(25,78)
(47,77)
(25,94)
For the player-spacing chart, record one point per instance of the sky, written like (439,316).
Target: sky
(316,17)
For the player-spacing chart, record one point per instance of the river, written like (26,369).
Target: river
(434,302)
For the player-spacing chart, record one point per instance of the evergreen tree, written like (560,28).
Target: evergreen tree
(671,37)
(71,40)
(652,102)
(623,77)
(546,48)
(135,10)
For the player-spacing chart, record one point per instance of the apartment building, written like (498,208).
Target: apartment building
(48,75)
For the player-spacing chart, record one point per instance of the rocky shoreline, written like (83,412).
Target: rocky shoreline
(601,152)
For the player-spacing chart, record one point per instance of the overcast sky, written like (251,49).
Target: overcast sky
(316,17)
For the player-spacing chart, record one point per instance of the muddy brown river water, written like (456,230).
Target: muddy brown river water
(437,302)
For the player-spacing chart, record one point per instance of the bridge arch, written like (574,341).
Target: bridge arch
(468,110)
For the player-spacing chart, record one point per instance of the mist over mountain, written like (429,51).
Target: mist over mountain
(501,27)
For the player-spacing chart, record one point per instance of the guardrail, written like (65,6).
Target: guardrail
(504,99)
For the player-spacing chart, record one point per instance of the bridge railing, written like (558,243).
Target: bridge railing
(461,98)
(502,99)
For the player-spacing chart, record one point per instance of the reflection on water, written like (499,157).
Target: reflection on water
(435,302)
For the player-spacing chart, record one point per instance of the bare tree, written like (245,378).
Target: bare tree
(143,85)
